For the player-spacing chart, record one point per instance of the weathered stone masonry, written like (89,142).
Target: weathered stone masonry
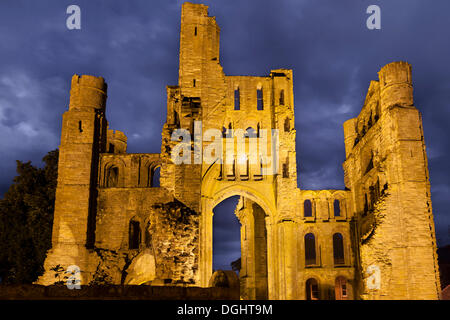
(114,221)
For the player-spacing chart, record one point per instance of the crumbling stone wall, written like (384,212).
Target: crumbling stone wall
(386,169)
(168,235)
(174,235)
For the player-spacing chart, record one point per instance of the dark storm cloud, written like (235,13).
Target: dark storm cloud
(134,46)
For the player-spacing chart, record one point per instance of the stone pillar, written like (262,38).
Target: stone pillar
(289,256)
(206,243)
(271,265)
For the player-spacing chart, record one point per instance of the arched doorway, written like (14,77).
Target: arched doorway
(251,264)
(259,198)
(312,289)
(226,236)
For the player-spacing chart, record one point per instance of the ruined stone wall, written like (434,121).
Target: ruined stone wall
(168,229)
(168,237)
(386,169)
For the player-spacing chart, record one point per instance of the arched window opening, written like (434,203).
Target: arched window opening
(312,289)
(259,97)
(340,288)
(287,125)
(251,133)
(307,208)
(224,132)
(112,177)
(155,177)
(195,31)
(310,249)
(80,126)
(282,98)
(337,208)
(134,235)
(338,249)
(237,99)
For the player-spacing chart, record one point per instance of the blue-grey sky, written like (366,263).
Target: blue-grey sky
(134,46)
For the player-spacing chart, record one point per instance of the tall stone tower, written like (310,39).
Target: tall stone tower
(226,104)
(83,138)
(387,170)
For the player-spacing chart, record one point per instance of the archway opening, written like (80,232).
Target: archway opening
(312,289)
(226,235)
(240,244)
(156,177)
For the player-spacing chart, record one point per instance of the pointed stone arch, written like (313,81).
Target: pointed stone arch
(114,166)
(214,192)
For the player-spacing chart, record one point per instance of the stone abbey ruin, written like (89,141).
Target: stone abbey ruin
(373,240)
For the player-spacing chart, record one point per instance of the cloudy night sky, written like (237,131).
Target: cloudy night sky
(134,45)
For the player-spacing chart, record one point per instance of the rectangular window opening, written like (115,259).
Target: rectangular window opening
(337,208)
(237,100)
(307,208)
(282,98)
(260,101)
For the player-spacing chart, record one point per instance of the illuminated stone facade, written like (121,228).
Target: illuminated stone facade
(115,223)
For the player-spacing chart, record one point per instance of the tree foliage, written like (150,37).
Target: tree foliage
(26,217)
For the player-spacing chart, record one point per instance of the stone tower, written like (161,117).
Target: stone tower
(235,135)
(387,170)
(83,138)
